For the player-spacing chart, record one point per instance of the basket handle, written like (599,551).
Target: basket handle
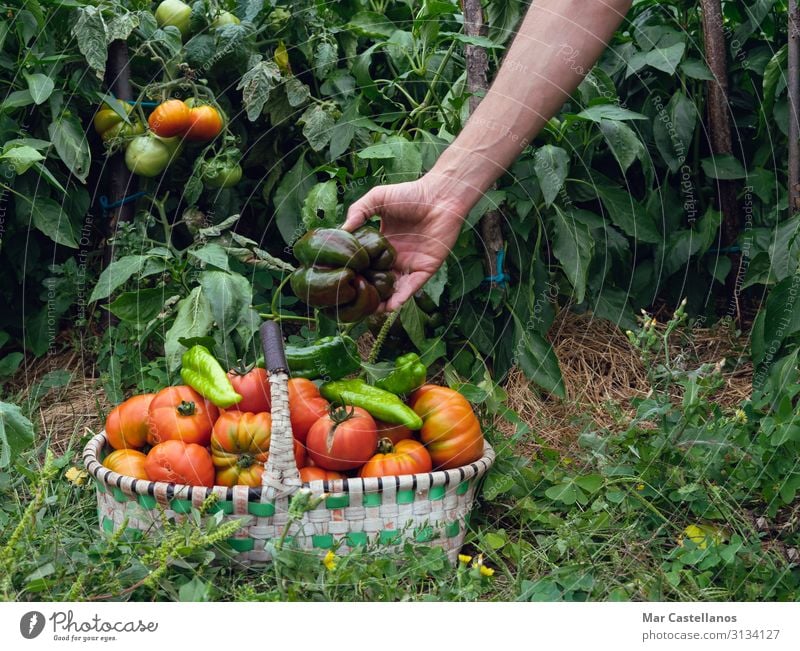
(281,476)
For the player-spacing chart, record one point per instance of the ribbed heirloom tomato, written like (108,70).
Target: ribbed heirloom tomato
(170,118)
(127,424)
(181,463)
(407,457)
(181,413)
(253,386)
(450,430)
(204,122)
(306,406)
(394,433)
(315,473)
(343,439)
(129,463)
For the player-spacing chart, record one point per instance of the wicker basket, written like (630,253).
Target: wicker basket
(429,508)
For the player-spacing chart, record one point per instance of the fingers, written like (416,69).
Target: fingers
(368,205)
(406,286)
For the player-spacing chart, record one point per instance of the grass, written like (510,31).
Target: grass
(599,515)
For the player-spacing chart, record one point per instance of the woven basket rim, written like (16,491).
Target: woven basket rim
(111,479)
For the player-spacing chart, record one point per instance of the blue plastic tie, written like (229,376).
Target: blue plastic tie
(133,102)
(502,277)
(106,206)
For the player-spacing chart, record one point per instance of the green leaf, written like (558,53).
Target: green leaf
(117,274)
(612,304)
(90,31)
(16,433)
(21,158)
(413,321)
(195,589)
(40,86)
(49,217)
(212,254)
(479,41)
(666,59)
(608,112)
(10,363)
(622,141)
(784,250)
(325,58)
(317,124)
(71,145)
(497,484)
(289,198)
(371,24)
(320,208)
(139,307)
(436,283)
(696,69)
(490,200)
(723,166)
(406,162)
(120,27)
(194,319)
(199,50)
(628,214)
(573,245)
(343,131)
(551,165)
(565,493)
(673,129)
(229,295)
(590,483)
(256,85)
(536,358)
(297,93)
(773,74)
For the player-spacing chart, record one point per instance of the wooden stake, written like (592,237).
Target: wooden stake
(794,106)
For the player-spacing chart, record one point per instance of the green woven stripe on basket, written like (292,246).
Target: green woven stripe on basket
(225,506)
(260,510)
(436,493)
(147,502)
(100,487)
(426,534)
(322,541)
(463,487)
(389,537)
(373,499)
(337,501)
(452,529)
(181,506)
(108,525)
(355,538)
(119,495)
(405,497)
(242,544)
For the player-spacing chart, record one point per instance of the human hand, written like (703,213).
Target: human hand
(420,225)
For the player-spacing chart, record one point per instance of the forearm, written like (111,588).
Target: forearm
(557,44)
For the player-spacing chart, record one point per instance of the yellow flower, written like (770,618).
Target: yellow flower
(740,417)
(486,571)
(463,558)
(639,487)
(329,561)
(77,476)
(566,461)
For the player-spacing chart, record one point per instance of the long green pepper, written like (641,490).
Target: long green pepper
(381,404)
(201,371)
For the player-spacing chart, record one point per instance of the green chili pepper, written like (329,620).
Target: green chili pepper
(331,247)
(201,371)
(408,374)
(321,287)
(381,404)
(330,357)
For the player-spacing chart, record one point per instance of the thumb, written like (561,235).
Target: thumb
(365,207)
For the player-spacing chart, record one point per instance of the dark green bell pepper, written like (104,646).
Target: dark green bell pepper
(381,252)
(365,303)
(331,247)
(322,287)
(329,358)
(383,282)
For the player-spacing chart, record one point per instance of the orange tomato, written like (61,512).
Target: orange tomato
(306,406)
(314,473)
(127,424)
(450,429)
(181,463)
(395,433)
(253,386)
(129,463)
(183,414)
(407,457)
(170,118)
(205,123)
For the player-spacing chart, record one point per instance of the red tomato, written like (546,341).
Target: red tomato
(129,463)
(450,430)
(343,439)
(394,433)
(253,386)
(408,457)
(181,413)
(181,463)
(126,425)
(306,406)
(313,473)
(205,123)
(170,118)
